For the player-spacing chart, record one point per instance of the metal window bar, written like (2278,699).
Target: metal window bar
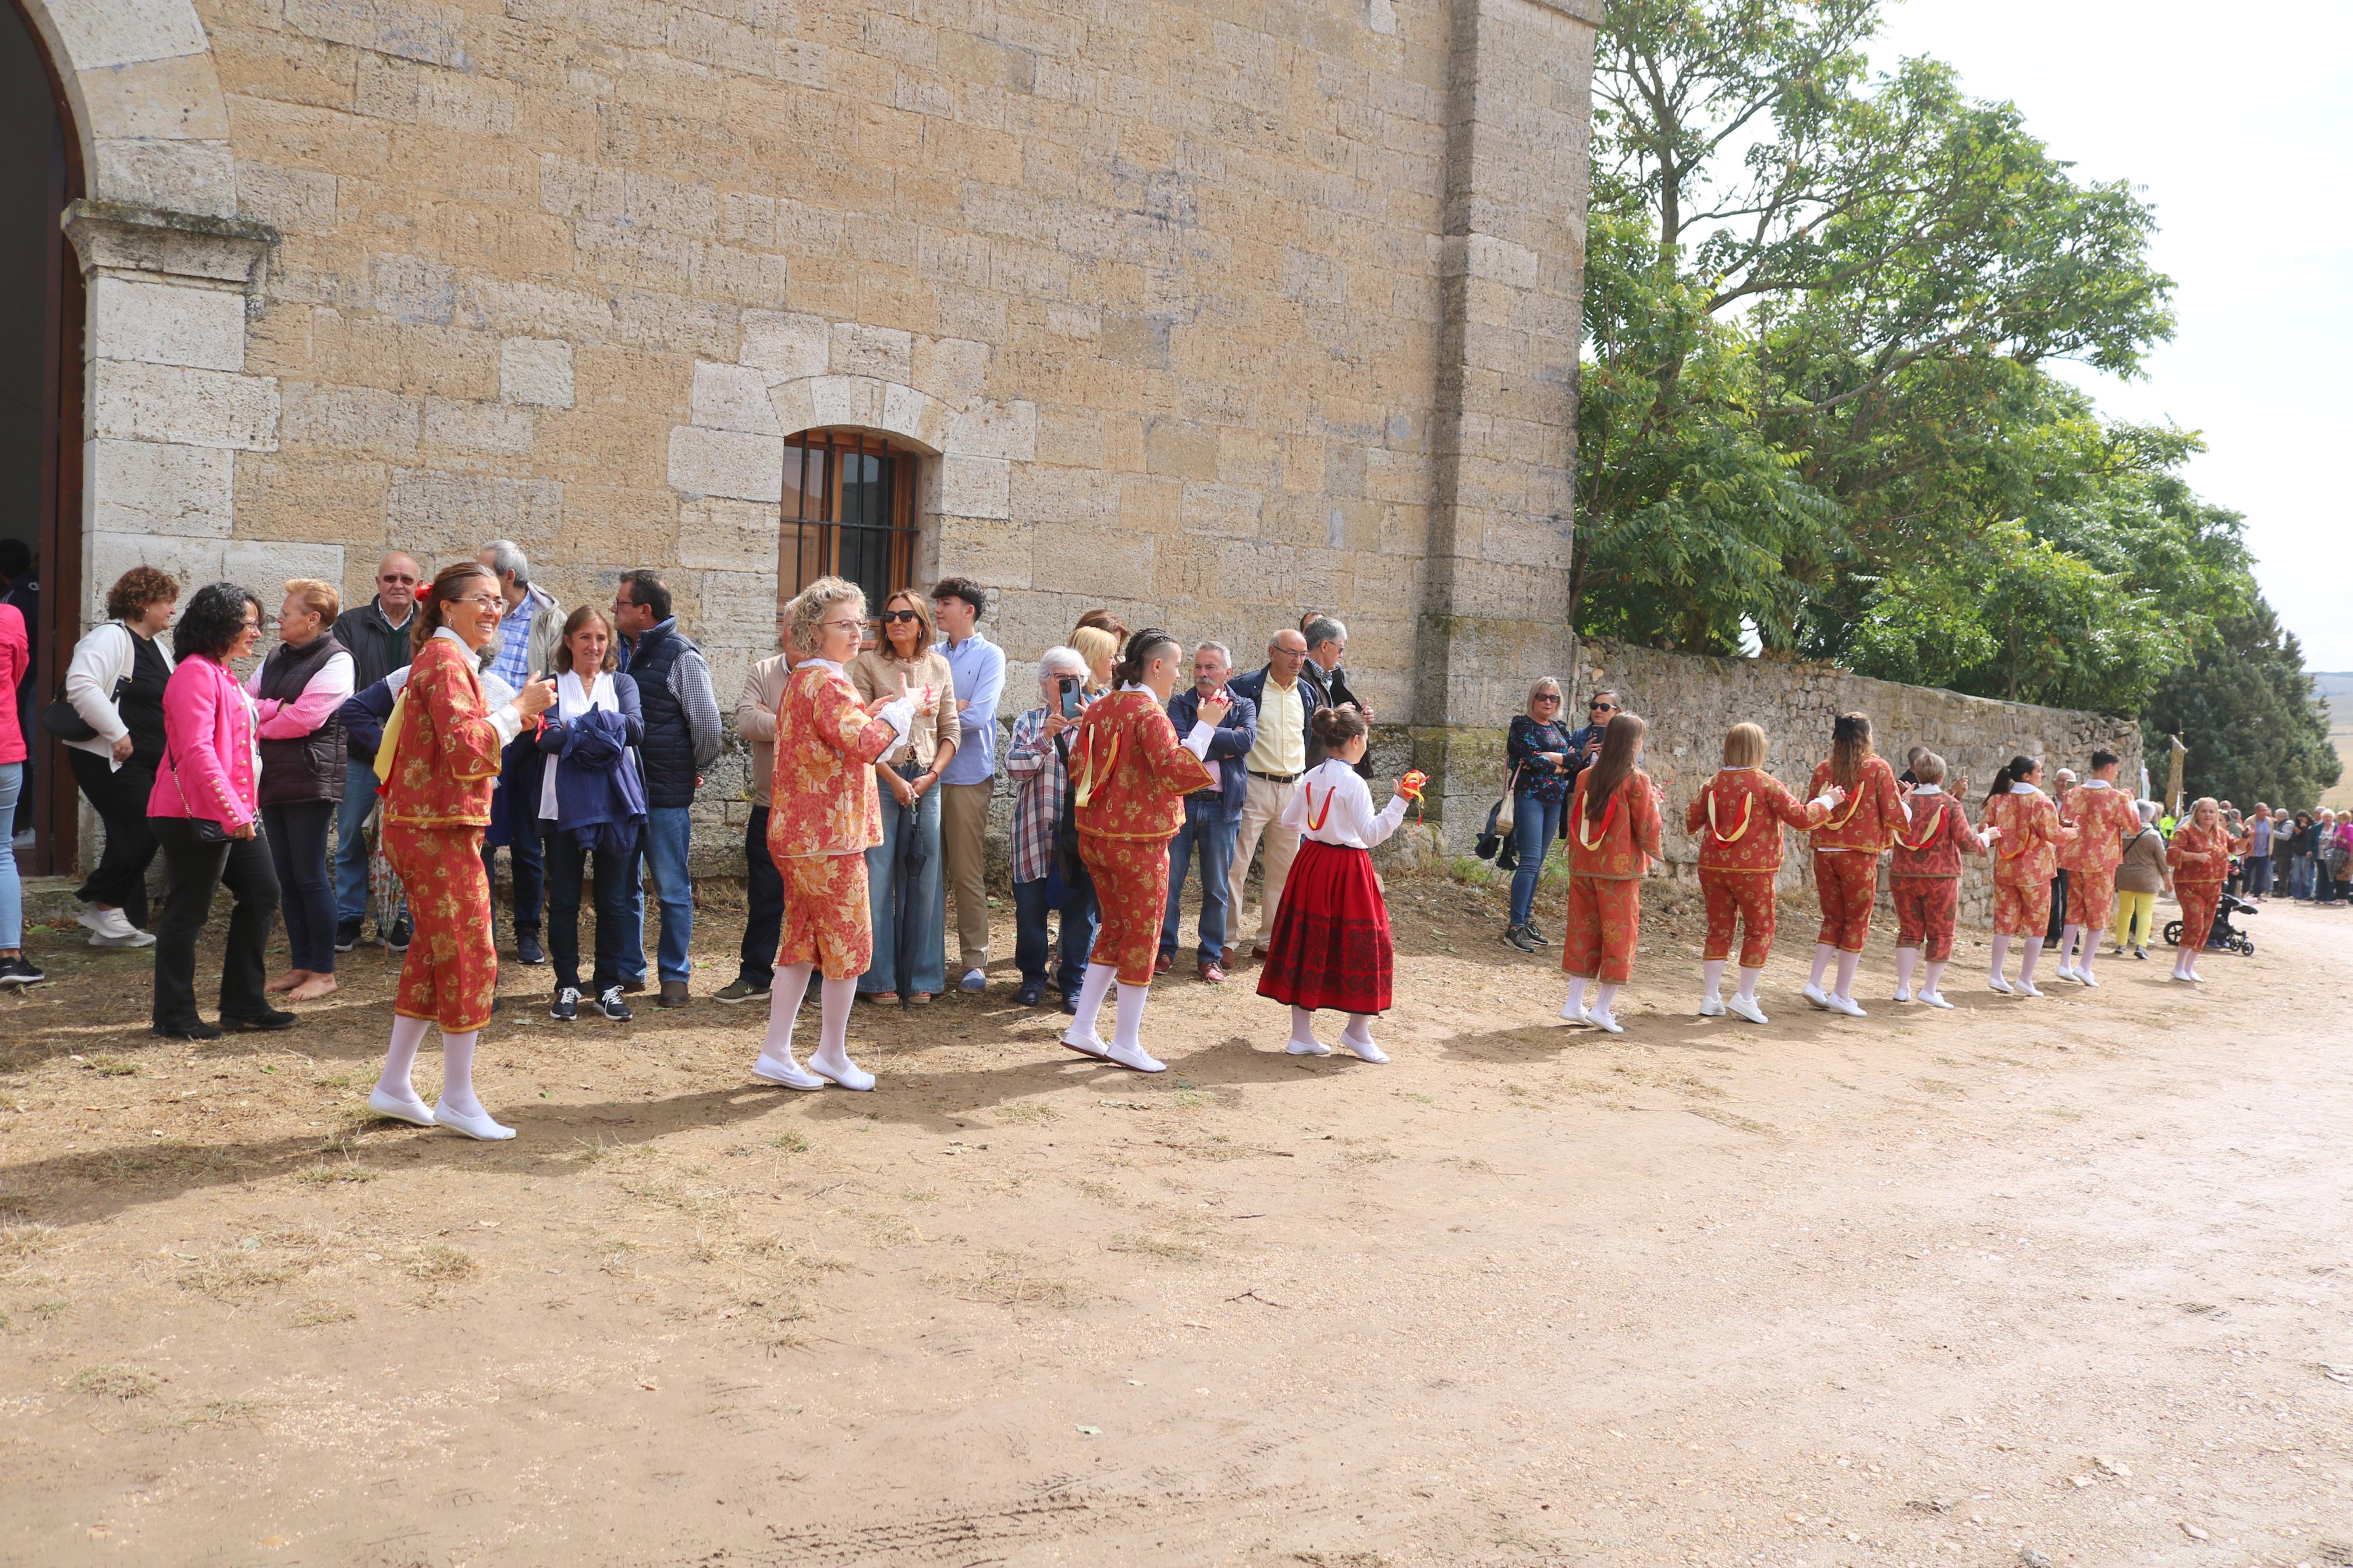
(847,511)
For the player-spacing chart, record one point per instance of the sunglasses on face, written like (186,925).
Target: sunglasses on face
(1601,708)
(1549,696)
(896,615)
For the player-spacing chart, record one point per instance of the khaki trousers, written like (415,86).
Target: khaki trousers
(964,830)
(1262,807)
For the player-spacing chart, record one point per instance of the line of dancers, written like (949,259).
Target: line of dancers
(1331,948)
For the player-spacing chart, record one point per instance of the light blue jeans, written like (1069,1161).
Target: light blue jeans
(926,934)
(662,849)
(12,891)
(351,842)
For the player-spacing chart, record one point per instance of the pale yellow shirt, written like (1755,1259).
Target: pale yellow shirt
(1281,746)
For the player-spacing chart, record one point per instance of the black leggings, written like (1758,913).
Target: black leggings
(119,796)
(568,865)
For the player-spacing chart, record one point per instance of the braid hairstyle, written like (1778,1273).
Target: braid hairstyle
(1850,749)
(1143,648)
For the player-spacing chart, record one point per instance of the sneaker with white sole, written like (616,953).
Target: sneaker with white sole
(1936,999)
(1817,995)
(1904,993)
(108,927)
(566,1006)
(613,1005)
(1747,1007)
(1848,1006)
(1606,1021)
(975,980)
(1711,1008)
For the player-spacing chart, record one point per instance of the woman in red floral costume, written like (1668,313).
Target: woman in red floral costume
(2025,864)
(1846,856)
(2200,857)
(1129,778)
(1739,816)
(823,815)
(440,761)
(1925,879)
(1613,837)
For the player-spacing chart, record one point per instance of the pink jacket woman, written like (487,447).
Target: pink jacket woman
(210,767)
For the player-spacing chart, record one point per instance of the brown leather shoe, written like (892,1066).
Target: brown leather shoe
(673,994)
(1213,973)
(1226,956)
(1163,963)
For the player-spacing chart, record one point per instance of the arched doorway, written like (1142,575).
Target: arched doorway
(40,416)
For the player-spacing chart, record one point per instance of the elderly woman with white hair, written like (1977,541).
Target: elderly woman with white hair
(823,815)
(1044,879)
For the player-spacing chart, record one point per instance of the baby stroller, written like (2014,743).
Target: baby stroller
(2225,936)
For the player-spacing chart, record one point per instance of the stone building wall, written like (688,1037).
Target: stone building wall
(1203,311)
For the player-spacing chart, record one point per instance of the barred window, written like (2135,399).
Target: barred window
(848,511)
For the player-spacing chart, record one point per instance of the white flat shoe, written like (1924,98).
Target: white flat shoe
(1849,1006)
(2026,990)
(785,1075)
(2065,973)
(2084,977)
(1605,1021)
(845,1073)
(1306,1048)
(1575,1012)
(415,1112)
(1815,994)
(1904,993)
(1999,984)
(1747,1007)
(1365,1051)
(1936,999)
(475,1126)
(1711,1008)
(1086,1044)
(1135,1058)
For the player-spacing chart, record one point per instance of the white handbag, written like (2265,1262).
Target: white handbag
(1504,808)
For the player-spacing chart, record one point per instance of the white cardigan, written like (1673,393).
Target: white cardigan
(101,662)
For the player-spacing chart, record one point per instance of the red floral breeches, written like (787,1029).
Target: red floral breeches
(1604,918)
(2092,896)
(1847,883)
(1926,907)
(2198,901)
(451,972)
(1743,897)
(2022,908)
(828,915)
(1131,877)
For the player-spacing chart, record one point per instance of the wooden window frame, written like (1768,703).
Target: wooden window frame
(815,540)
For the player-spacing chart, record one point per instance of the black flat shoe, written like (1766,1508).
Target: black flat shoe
(197,1030)
(1030,994)
(268,1021)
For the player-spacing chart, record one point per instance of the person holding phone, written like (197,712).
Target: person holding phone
(1044,882)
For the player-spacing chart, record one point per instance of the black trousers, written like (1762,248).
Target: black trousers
(191,871)
(763,899)
(568,866)
(120,798)
(2058,909)
(519,776)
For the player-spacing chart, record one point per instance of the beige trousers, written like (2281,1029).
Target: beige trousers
(964,830)
(1262,807)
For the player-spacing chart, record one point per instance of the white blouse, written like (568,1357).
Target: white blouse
(1332,805)
(573,701)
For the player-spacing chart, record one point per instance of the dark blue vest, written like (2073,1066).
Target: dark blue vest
(668,751)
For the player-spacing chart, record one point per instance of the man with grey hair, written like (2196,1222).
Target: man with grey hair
(1285,701)
(1213,816)
(1327,644)
(523,650)
(1044,879)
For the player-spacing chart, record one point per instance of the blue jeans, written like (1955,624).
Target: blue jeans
(1032,943)
(12,891)
(1535,825)
(297,832)
(924,935)
(2299,876)
(1206,829)
(662,849)
(351,842)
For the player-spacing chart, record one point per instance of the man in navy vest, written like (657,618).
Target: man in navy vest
(682,737)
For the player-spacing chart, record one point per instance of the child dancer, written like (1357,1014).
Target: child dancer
(1739,816)
(1925,879)
(2106,820)
(2200,857)
(2025,864)
(1613,836)
(1846,855)
(1331,942)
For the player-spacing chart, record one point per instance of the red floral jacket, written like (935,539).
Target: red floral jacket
(2028,850)
(1620,848)
(2105,821)
(1872,814)
(446,761)
(1750,806)
(1130,772)
(2198,854)
(1932,845)
(822,799)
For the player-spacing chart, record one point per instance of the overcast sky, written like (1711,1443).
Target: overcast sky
(2237,121)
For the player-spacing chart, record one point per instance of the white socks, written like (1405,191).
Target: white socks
(1929,977)
(1823,954)
(2000,957)
(1358,1038)
(458,1108)
(2026,964)
(1848,963)
(832,1058)
(1574,1008)
(1749,979)
(777,1063)
(1602,998)
(1091,994)
(1906,958)
(407,1034)
(1302,1041)
(1126,1042)
(1711,975)
(2070,938)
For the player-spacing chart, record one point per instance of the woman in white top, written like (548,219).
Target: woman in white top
(591,802)
(1331,945)
(115,683)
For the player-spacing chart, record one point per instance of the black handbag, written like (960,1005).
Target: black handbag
(64,721)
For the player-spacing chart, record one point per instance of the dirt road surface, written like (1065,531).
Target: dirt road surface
(2059,1282)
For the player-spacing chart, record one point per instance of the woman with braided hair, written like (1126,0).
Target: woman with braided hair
(1847,850)
(1129,778)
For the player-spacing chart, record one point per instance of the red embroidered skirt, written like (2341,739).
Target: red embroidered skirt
(1331,943)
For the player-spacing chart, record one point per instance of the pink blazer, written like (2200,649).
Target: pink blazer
(15,656)
(208,755)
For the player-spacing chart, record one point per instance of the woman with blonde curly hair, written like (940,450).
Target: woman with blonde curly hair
(824,815)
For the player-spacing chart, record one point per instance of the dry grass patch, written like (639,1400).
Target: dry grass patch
(319,1314)
(1007,1281)
(115,1381)
(442,1264)
(26,1241)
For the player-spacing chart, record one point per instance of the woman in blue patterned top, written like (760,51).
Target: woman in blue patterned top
(1539,752)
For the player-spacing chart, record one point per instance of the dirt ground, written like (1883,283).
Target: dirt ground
(2059,1282)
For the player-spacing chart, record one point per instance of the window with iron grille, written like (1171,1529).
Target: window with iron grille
(848,511)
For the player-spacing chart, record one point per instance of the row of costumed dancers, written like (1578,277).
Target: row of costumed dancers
(1130,771)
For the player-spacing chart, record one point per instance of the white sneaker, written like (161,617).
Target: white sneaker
(1747,1007)
(1575,1012)
(2083,976)
(2067,972)
(477,1126)
(1086,1044)
(1306,1048)
(1135,1058)
(2024,989)
(1999,984)
(1605,1021)
(1936,999)
(413,1110)
(1814,994)
(1904,993)
(1711,1008)
(111,928)
(841,1071)
(785,1075)
(1848,1006)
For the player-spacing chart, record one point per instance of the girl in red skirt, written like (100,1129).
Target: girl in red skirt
(1613,837)
(2200,857)
(1331,942)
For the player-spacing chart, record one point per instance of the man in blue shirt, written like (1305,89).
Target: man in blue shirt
(523,650)
(1213,816)
(978,666)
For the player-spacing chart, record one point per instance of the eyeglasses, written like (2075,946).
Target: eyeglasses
(1600,707)
(1548,697)
(395,581)
(483,602)
(840,626)
(896,615)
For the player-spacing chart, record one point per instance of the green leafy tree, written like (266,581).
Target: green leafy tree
(2245,708)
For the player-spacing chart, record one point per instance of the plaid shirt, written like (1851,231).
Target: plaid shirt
(1040,783)
(512,664)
